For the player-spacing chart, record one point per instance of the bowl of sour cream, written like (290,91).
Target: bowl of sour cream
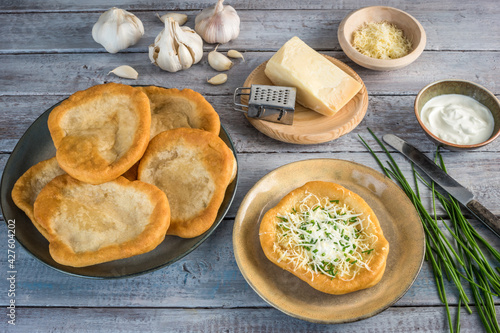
(458,114)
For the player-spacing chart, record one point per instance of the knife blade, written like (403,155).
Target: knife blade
(447,183)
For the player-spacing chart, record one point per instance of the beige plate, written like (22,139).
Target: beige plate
(310,127)
(398,218)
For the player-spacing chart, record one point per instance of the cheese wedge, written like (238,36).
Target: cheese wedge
(321,86)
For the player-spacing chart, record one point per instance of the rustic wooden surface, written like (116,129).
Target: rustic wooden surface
(47,53)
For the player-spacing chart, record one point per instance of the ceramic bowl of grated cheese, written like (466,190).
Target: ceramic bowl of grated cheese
(381,38)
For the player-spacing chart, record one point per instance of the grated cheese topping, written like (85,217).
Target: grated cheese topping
(326,237)
(381,40)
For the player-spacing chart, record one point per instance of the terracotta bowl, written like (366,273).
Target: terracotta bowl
(412,29)
(462,87)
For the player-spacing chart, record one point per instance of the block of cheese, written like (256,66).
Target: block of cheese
(321,86)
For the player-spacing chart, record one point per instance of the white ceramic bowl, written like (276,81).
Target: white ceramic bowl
(461,87)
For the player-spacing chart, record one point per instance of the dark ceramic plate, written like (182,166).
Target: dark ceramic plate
(286,292)
(35,146)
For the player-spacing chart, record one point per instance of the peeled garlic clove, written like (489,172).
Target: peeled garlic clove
(117,29)
(218,79)
(179,18)
(125,72)
(218,24)
(218,61)
(235,54)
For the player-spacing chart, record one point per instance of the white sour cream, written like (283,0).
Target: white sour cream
(457,119)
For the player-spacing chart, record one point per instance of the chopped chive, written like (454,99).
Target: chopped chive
(282,218)
(367,251)
(314,209)
(353,262)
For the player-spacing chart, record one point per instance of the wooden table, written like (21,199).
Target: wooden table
(47,53)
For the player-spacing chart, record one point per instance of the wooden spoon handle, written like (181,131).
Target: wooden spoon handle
(487,217)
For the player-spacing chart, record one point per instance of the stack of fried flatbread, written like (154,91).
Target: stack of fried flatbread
(131,165)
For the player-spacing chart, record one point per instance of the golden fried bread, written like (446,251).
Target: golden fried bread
(173,108)
(327,236)
(91,224)
(193,167)
(99,133)
(28,186)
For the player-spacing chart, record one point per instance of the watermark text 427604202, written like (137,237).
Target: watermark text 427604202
(11,271)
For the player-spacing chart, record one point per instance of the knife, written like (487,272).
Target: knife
(450,185)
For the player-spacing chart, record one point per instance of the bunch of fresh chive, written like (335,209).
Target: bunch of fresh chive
(462,259)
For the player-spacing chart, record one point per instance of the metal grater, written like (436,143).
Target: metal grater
(270,103)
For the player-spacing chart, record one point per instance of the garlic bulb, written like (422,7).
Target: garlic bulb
(117,29)
(218,24)
(179,18)
(218,61)
(176,48)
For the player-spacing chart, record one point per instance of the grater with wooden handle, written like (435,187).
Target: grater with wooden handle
(271,103)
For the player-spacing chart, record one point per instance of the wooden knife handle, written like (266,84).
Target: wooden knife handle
(485,215)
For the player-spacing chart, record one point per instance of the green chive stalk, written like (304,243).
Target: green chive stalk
(460,260)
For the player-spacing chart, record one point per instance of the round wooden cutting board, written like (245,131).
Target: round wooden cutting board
(310,127)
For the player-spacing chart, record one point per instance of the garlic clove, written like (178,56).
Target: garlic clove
(218,79)
(218,61)
(185,57)
(179,18)
(235,54)
(218,24)
(116,29)
(125,72)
